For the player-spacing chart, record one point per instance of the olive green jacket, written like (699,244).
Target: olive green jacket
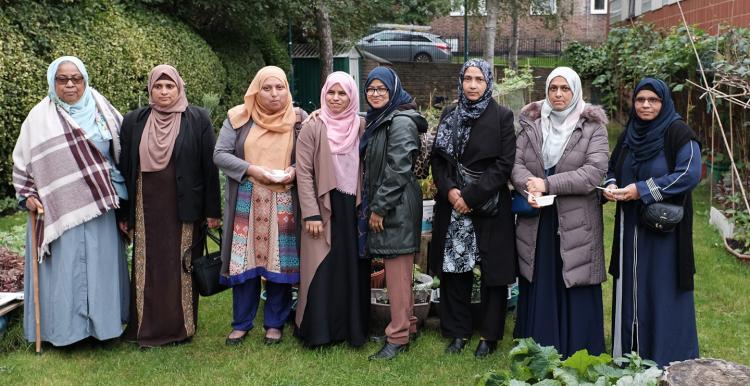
(392,189)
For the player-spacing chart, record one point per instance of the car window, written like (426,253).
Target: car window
(420,38)
(385,36)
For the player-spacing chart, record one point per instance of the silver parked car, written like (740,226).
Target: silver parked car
(406,46)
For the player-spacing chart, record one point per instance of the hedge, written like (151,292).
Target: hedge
(118,44)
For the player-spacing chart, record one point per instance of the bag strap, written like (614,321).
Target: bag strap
(203,236)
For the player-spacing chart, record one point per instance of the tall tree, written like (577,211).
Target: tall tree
(325,41)
(513,50)
(490,30)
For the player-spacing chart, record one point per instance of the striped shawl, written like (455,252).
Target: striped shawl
(54,162)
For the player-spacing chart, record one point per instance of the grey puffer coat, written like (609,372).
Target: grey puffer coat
(392,190)
(581,168)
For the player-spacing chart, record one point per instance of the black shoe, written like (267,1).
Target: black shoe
(389,351)
(456,345)
(235,341)
(485,347)
(413,336)
(269,340)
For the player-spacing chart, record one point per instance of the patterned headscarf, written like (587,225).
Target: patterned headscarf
(83,111)
(645,139)
(455,128)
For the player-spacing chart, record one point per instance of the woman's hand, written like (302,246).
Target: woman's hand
(312,117)
(530,199)
(457,201)
(628,193)
(608,192)
(291,171)
(258,173)
(376,222)
(213,223)
(123,225)
(536,185)
(34,205)
(314,228)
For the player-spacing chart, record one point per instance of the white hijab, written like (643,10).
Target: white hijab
(557,126)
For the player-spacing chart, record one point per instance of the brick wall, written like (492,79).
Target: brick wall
(428,80)
(580,25)
(706,14)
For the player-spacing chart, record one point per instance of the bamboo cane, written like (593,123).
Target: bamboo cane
(35,277)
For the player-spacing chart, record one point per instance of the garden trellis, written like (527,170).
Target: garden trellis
(714,93)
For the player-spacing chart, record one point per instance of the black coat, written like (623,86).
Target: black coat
(491,150)
(198,192)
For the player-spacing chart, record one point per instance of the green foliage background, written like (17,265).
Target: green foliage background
(119,43)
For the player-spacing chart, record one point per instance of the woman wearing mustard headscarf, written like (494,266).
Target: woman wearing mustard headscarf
(255,151)
(167,151)
(64,166)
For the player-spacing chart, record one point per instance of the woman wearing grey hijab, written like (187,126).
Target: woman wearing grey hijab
(561,151)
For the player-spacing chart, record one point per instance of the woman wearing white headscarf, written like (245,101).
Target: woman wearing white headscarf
(561,150)
(64,166)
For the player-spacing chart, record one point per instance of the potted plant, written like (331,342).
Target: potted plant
(429,190)
(377,273)
(739,244)
(380,312)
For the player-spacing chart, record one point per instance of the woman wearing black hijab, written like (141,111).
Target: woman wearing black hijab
(657,159)
(476,134)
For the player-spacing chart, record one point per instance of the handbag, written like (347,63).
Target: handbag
(468,177)
(661,216)
(421,167)
(520,206)
(206,268)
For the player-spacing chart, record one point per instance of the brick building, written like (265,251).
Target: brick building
(706,14)
(579,20)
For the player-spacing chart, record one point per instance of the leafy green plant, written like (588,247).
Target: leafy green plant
(533,364)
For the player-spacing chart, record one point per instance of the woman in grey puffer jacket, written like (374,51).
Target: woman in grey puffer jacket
(561,150)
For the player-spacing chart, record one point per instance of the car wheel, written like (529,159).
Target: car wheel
(422,57)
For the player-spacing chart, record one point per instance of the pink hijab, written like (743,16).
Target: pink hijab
(162,124)
(343,131)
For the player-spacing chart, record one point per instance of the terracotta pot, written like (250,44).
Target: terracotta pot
(377,278)
(742,257)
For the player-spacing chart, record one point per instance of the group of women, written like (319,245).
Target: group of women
(309,203)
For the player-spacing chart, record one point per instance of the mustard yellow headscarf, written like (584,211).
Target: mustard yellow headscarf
(271,138)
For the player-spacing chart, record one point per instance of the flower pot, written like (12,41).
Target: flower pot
(427,215)
(741,256)
(377,275)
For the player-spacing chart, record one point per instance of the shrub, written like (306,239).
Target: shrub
(118,44)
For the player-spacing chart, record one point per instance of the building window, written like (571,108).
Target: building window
(598,7)
(457,8)
(543,7)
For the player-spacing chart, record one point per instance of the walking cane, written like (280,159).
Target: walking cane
(35,274)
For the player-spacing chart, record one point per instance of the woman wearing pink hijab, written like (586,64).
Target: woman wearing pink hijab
(334,297)
(173,185)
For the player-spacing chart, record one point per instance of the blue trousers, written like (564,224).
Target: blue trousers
(245,299)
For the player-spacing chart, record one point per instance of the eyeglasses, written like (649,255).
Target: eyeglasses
(63,80)
(650,100)
(376,91)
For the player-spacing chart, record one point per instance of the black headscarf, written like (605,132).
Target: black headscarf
(454,130)
(397,97)
(645,139)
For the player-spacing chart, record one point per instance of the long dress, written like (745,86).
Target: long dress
(647,298)
(83,284)
(570,319)
(338,299)
(165,303)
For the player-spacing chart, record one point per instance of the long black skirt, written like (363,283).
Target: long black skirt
(338,301)
(570,319)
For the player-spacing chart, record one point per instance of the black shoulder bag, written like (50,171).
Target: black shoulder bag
(468,177)
(206,268)
(662,217)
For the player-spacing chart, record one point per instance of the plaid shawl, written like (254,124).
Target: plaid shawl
(54,162)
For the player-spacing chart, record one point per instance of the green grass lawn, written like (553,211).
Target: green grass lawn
(722,286)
